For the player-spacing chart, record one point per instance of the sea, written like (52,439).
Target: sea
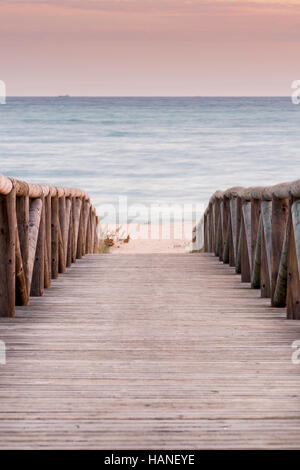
(150,151)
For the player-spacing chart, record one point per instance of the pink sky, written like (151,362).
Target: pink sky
(149,47)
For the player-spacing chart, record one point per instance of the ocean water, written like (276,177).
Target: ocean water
(152,150)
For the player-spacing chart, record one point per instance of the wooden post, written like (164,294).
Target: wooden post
(38,275)
(48,232)
(255,215)
(222,234)
(217,227)
(226,229)
(79,252)
(93,231)
(234,238)
(35,212)
(293,278)
(54,237)
(280,210)
(96,243)
(76,208)
(62,233)
(266,230)
(67,227)
(246,259)
(70,237)
(22,297)
(238,266)
(89,234)
(61,253)
(22,208)
(255,278)
(85,225)
(280,293)
(8,227)
(211,227)
(238,234)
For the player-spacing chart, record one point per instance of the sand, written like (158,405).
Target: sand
(150,238)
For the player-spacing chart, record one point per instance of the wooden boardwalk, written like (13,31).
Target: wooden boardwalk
(149,351)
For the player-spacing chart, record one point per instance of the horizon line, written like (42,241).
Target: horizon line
(147,96)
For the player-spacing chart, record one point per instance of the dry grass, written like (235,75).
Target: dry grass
(110,238)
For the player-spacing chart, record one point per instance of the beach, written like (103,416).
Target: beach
(175,237)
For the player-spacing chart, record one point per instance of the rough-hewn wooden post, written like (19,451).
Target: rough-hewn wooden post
(205,230)
(7,252)
(293,278)
(217,227)
(38,275)
(76,209)
(226,229)
(255,216)
(246,242)
(266,229)
(22,208)
(22,296)
(89,232)
(80,240)
(62,228)
(70,236)
(54,237)
(67,228)
(93,231)
(48,232)
(35,213)
(95,245)
(280,293)
(85,227)
(280,210)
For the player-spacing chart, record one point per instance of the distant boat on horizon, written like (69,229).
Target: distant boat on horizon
(63,96)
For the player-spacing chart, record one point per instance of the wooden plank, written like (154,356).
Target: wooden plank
(101,362)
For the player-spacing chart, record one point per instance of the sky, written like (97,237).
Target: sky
(149,47)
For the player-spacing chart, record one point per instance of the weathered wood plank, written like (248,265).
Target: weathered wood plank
(151,351)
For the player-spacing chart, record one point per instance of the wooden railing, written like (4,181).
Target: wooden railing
(257,230)
(43,229)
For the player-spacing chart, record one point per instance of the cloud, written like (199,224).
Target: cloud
(155,5)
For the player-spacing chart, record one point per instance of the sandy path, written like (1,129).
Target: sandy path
(146,238)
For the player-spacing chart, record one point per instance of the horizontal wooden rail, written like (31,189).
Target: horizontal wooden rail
(257,230)
(43,229)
